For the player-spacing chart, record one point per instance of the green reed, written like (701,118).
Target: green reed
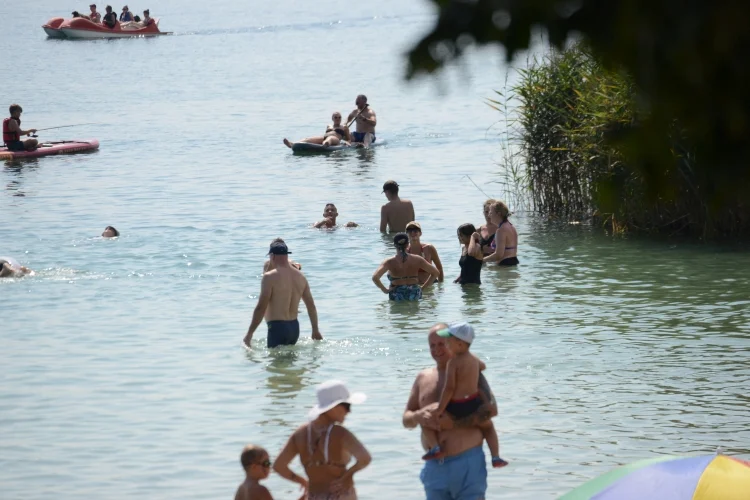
(572,128)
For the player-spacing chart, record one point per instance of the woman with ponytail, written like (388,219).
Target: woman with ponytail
(403,272)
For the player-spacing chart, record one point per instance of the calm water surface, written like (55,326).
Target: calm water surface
(122,372)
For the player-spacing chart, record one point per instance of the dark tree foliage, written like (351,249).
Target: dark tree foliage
(688,59)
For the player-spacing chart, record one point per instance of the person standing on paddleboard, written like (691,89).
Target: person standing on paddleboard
(12,132)
(366,120)
(281,290)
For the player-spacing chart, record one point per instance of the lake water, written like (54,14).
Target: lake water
(121,367)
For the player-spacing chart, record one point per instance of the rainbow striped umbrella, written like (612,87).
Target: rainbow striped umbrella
(707,477)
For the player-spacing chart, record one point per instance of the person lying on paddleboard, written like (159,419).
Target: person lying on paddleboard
(334,135)
(12,131)
(329,218)
(366,122)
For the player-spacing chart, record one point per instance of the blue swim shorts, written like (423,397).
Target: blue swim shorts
(405,292)
(360,137)
(282,333)
(461,477)
(16,146)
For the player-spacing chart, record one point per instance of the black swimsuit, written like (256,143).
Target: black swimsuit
(471,268)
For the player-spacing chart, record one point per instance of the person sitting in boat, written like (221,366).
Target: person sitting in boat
(147,19)
(110,18)
(93,16)
(334,135)
(12,132)
(126,16)
(76,14)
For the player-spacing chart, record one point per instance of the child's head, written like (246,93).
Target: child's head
(255,461)
(460,335)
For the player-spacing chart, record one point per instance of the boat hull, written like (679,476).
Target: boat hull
(52,28)
(61,148)
(83,29)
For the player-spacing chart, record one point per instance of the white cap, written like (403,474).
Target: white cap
(333,393)
(459,329)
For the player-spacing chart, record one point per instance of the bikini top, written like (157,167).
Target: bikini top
(391,278)
(339,131)
(493,245)
(325,448)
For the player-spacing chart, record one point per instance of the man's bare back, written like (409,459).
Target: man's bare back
(287,286)
(395,215)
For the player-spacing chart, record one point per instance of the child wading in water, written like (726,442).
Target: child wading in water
(257,465)
(461,397)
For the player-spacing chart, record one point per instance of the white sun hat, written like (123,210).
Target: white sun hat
(333,393)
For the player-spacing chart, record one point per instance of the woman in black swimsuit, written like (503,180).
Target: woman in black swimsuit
(333,136)
(488,229)
(505,245)
(471,255)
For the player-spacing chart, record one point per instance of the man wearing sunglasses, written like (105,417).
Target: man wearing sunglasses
(462,473)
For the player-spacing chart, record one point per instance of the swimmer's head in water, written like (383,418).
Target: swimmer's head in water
(330,210)
(110,232)
(278,248)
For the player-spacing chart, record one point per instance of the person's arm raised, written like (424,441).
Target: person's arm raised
(263,300)
(360,454)
(312,311)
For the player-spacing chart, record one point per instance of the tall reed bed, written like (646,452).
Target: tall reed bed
(572,123)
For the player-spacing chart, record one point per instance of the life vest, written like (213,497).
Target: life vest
(9,136)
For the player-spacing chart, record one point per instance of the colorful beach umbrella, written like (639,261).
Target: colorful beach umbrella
(707,477)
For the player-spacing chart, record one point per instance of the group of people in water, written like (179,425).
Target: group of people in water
(127,19)
(451,403)
(339,134)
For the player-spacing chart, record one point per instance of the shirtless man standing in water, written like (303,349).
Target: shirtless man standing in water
(397,213)
(462,473)
(280,292)
(366,122)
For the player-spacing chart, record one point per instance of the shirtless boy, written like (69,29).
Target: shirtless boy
(281,290)
(397,213)
(329,218)
(460,396)
(257,465)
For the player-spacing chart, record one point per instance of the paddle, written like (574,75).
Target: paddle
(357,116)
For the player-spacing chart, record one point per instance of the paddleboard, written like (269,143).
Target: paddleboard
(307,147)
